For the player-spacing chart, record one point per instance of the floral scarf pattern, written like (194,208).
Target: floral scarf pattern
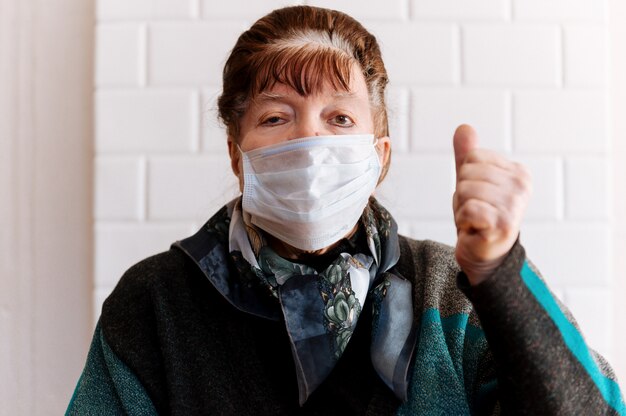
(320,309)
(341,304)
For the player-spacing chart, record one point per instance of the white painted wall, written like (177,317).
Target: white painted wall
(46,230)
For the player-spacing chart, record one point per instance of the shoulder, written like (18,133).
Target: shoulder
(168,277)
(143,277)
(153,269)
(429,257)
(434,272)
(139,308)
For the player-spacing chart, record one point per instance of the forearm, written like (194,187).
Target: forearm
(542,362)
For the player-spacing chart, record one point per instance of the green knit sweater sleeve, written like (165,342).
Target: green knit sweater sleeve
(107,386)
(505,346)
(542,361)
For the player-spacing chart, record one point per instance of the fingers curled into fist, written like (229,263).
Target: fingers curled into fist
(489,202)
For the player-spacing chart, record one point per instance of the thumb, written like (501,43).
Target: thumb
(465,140)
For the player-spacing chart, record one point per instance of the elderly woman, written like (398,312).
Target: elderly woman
(300,297)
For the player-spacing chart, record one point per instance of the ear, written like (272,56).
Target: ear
(235,160)
(235,156)
(383,147)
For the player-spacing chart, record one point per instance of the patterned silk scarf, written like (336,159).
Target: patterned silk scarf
(320,309)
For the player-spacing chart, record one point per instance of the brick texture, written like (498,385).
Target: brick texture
(593,309)
(146,121)
(560,10)
(461,9)
(119,55)
(530,75)
(144,9)
(427,183)
(237,9)
(560,121)
(510,55)
(119,188)
(586,188)
(569,254)
(193,53)
(585,54)
(416,53)
(547,200)
(437,112)
(368,9)
(192,180)
(120,245)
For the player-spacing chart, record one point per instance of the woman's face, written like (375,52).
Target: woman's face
(281,114)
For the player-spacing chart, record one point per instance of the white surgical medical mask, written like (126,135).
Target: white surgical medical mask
(310,192)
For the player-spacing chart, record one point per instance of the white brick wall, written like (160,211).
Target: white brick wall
(511,55)
(237,9)
(529,74)
(146,120)
(190,53)
(559,10)
(584,49)
(119,55)
(560,121)
(419,53)
(461,9)
(119,187)
(586,189)
(438,111)
(183,187)
(547,201)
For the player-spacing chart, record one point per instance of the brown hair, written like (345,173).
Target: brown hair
(301,46)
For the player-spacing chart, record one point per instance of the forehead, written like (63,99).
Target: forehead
(355,90)
(306,64)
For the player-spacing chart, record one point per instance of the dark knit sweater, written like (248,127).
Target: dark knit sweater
(167,342)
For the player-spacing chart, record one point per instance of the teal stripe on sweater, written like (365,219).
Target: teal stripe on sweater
(107,386)
(453,322)
(447,357)
(573,339)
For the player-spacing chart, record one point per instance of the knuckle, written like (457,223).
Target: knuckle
(462,190)
(474,156)
(464,171)
(505,223)
(519,182)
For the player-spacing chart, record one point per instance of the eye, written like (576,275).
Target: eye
(272,121)
(342,120)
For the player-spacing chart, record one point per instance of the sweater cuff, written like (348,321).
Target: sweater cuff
(499,283)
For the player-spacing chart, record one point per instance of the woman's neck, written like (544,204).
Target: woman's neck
(290,252)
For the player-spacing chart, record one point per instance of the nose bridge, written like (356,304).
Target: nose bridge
(309,123)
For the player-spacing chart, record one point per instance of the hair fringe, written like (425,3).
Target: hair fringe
(305,69)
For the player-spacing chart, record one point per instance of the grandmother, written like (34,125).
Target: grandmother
(300,297)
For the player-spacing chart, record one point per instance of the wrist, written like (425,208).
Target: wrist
(478,273)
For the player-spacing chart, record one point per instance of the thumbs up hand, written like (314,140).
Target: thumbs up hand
(489,202)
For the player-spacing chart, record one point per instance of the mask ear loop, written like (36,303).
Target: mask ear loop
(380,156)
(375,144)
